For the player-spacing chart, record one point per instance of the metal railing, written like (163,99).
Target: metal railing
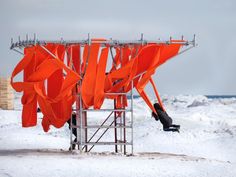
(111,42)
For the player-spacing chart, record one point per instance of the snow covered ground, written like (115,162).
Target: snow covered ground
(206,145)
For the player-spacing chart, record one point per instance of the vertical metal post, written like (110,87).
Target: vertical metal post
(71,141)
(79,121)
(141,39)
(77,107)
(132,117)
(27,37)
(124,124)
(121,124)
(121,113)
(77,116)
(86,131)
(115,129)
(34,39)
(81,118)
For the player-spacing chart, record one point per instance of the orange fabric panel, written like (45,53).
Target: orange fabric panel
(54,82)
(147,58)
(135,50)
(29,101)
(89,80)
(117,78)
(75,55)
(125,55)
(116,61)
(100,79)
(85,57)
(135,66)
(167,52)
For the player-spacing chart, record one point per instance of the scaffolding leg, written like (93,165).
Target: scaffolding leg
(81,123)
(124,132)
(77,119)
(115,129)
(121,136)
(86,131)
(132,118)
(71,141)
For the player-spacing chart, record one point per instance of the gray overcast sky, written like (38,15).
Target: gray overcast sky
(209,68)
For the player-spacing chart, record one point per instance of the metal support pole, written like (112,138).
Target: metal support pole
(142,41)
(194,40)
(71,127)
(85,131)
(124,129)
(80,109)
(54,56)
(112,57)
(121,114)
(132,118)
(121,137)
(34,39)
(77,118)
(81,119)
(18,51)
(115,124)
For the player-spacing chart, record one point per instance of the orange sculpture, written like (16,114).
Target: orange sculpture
(52,72)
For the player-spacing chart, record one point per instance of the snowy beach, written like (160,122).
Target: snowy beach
(205,145)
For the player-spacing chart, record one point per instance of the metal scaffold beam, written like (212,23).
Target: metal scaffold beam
(30,42)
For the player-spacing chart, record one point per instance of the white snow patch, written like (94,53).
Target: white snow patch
(205,146)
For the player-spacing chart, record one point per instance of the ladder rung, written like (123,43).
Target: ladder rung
(104,110)
(103,143)
(97,126)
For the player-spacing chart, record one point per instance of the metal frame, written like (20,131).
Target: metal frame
(120,138)
(30,42)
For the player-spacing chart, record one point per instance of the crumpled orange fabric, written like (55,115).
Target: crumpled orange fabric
(49,81)
(55,99)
